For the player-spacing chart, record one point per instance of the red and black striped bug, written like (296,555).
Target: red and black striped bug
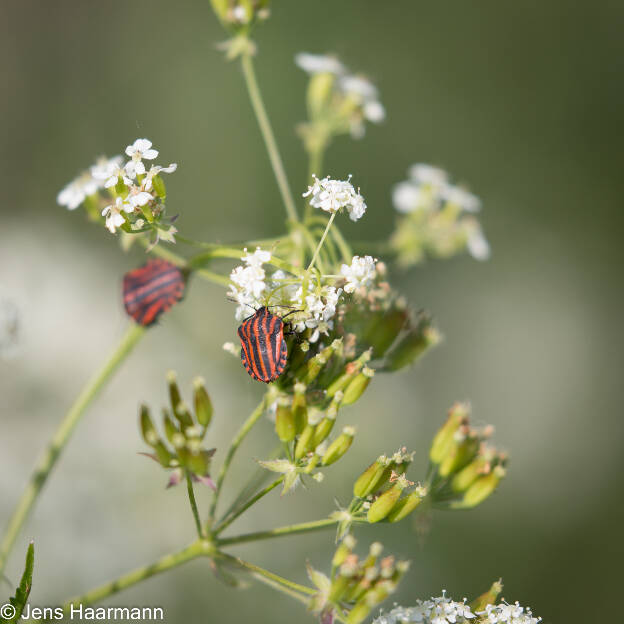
(152,289)
(264,351)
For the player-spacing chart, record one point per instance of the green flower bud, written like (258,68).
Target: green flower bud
(221,8)
(345,548)
(461,455)
(300,408)
(470,473)
(412,345)
(384,329)
(356,387)
(444,440)
(285,423)
(183,414)
(159,186)
(323,429)
(349,372)
(305,442)
(406,505)
(386,501)
(175,398)
(151,437)
(197,463)
(481,489)
(203,404)
(339,446)
(489,597)
(373,478)
(171,428)
(339,586)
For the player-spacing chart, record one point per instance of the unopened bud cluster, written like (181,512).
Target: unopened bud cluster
(359,584)
(239,16)
(437,218)
(383,490)
(465,469)
(338,101)
(185,428)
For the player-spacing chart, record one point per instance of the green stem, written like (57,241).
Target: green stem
(193,502)
(267,134)
(258,571)
(304,527)
(168,562)
(59,440)
(252,501)
(236,442)
(318,247)
(315,166)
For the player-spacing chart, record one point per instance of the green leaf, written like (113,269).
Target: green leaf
(23,591)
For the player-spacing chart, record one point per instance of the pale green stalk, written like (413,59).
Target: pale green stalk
(315,166)
(236,442)
(267,134)
(63,433)
(193,503)
(320,244)
(293,529)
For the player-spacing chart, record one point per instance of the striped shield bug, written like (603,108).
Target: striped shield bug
(152,289)
(264,351)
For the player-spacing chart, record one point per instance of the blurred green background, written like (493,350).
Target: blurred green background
(522,101)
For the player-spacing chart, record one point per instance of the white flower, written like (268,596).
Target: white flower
(408,197)
(476,243)
(320,307)
(104,168)
(374,111)
(77,191)
(157,170)
(239,14)
(141,148)
(138,197)
(361,273)
(319,64)
(441,610)
(359,87)
(509,614)
(426,174)
(113,215)
(332,195)
(461,198)
(122,172)
(248,282)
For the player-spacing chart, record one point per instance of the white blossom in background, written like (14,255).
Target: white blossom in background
(360,273)
(319,64)
(427,174)
(408,197)
(248,282)
(461,198)
(140,149)
(9,328)
(78,190)
(476,243)
(440,610)
(332,195)
(508,614)
(104,168)
(113,214)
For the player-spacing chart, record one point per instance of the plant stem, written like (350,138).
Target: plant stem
(167,562)
(258,571)
(318,247)
(236,442)
(267,134)
(304,527)
(252,501)
(59,440)
(315,166)
(193,502)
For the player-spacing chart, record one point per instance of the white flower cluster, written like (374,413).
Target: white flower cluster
(248,282)
(353,86)
(428,191)
(360,273)
(332,195)
(440,610)
(106,173)
(508,614)
(320,307)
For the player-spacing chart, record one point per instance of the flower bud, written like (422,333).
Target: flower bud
(488,598)
(285,423)
(413,344)
(481,489)
(305,442)
(323,429)
(460,455)
(356,387)
(339,446)
(384,329)
(151,437)
(470,473)
(345,548)
(171,429)
(203,405)
(183,414)
(373,478)
(444,439)
(386,501)
(300,408)
(406,505)
(349,372)
(158,185)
